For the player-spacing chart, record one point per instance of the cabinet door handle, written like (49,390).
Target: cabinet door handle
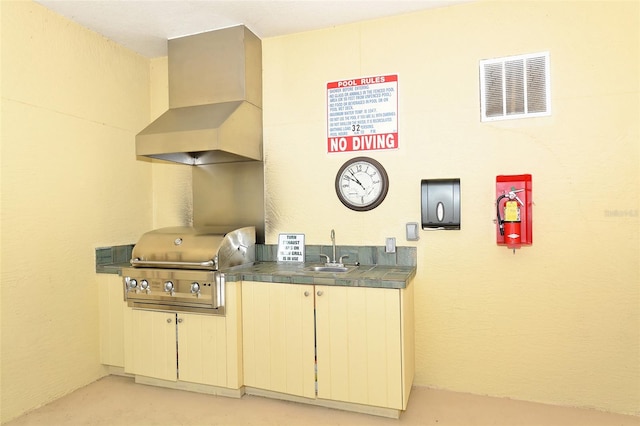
(320,293)
(306,294)
(180,320)
(168,320)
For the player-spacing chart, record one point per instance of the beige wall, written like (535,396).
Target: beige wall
(563,329)
(72,102)
(557,322)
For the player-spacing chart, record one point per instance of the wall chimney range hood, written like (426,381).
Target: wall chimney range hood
(215,101)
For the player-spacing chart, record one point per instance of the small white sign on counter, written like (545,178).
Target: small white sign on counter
(291,248)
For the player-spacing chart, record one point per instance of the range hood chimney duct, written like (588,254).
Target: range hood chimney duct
(215,101)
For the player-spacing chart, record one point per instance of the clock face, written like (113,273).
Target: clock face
(362,184)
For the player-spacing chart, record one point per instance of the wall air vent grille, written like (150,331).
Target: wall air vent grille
(515,87)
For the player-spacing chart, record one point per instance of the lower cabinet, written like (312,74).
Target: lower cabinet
(278,337)
(338,346)
(335,343)
(185,347)
(111,307)
(150,348)
(177,346)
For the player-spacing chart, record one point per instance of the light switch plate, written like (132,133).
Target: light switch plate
(412,231)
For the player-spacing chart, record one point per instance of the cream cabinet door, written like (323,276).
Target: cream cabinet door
(278,337)
(150,343)
(202,349)
(359,345)
(111,306)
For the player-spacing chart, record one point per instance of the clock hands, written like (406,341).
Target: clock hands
(355,179)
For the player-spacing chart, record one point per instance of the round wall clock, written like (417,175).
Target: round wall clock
(362,184)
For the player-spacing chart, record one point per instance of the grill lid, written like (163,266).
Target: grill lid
(184,247)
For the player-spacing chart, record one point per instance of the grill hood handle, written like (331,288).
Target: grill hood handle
(208,264)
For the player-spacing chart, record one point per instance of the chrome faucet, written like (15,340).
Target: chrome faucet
(332,262)
(333,244)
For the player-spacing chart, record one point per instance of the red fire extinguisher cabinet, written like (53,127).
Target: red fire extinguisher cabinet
(522,185)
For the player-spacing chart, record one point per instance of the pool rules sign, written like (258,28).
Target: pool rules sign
(362,114)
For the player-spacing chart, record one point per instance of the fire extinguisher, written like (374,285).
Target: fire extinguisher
(509,223)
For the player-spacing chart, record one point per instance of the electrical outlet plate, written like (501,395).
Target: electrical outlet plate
(390,245)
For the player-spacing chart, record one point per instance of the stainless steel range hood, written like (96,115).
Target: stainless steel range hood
(215,101)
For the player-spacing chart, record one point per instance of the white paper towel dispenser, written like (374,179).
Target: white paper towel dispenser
(440,200)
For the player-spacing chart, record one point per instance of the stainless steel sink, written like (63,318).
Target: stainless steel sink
(334,269)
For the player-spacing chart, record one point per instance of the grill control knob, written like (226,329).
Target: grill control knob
(168,287)
(195,289)
(131,284)
(144,284)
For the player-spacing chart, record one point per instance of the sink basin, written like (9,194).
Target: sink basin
(324,268)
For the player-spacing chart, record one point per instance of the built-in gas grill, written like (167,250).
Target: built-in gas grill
(182,268)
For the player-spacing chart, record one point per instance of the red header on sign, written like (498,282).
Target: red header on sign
(363,142)
(362,81)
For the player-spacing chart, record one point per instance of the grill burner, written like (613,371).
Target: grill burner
(182,268)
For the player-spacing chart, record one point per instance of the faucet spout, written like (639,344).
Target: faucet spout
(333,243)
(333,262)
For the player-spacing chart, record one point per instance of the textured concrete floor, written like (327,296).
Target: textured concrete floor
(118,401)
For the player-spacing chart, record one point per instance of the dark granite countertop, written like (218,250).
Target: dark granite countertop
(380,276)
(112,268)
(378,268)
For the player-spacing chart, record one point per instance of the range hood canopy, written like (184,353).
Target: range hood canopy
(215,101)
